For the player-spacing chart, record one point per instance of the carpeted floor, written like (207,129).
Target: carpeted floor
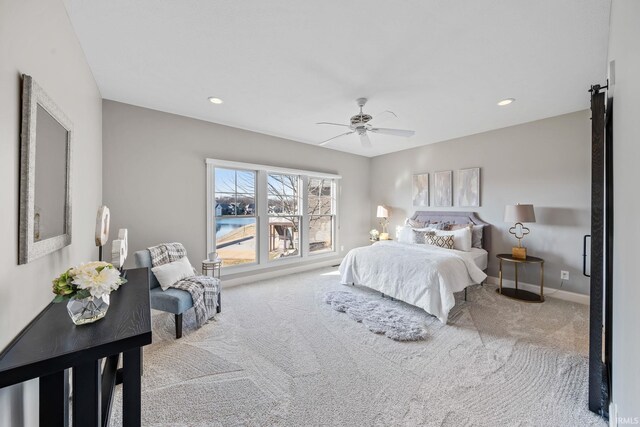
(279,355)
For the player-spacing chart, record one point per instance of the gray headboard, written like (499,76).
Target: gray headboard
(457,218)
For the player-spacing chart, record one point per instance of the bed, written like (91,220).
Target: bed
(419,274)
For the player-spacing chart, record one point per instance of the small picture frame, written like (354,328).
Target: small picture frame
(442,189)
(420,189)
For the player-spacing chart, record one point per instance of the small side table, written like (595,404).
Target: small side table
(211,267)
(516,293)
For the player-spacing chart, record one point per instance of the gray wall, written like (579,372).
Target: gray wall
(156,174)
(36,38)
(624,50)
(546,163)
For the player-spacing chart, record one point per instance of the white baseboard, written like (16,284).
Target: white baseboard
(548,292)
(265,275)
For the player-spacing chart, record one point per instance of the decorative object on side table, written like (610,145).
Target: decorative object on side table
(383,214)
(120,249)
(374,235)
(87,288)
(519,214)
(103,219)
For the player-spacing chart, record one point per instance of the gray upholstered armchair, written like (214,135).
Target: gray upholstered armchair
(172,300)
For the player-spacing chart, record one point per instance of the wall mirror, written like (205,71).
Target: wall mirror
(45,175)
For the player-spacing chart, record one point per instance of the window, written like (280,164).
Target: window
(263,215)
(235,216)
(321,211)
(283,198)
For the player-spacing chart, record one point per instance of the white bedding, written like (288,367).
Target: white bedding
(479,257)
(422,275)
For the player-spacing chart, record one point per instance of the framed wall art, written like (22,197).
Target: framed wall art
(442,188)
(420,188)
(468,187)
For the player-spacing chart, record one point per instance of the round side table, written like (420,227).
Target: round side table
(516,293)
(211,267)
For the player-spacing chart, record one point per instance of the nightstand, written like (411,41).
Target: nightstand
(516,293)
(211,267)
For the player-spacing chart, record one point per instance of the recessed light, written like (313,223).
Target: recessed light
(506,102)
(215,100)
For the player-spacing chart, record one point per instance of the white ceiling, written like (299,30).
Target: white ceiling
(282,65)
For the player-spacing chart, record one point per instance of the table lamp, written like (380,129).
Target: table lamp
(519,214)
(383,213)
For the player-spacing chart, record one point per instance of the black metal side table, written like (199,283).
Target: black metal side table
(516,293)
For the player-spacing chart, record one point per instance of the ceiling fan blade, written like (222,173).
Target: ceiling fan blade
(331,139)
(394,132)
(333,124)
(364,139)
(384,116)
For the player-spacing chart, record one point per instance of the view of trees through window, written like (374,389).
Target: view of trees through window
(239,230)
(283,196)
(321,211)
(235,213)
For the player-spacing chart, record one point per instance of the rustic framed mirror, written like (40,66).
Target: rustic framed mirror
(45,175)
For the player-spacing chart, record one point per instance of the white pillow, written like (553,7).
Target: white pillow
(461,238)
(405,234)
(168,274)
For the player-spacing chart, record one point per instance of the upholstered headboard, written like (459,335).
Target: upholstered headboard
(457,218)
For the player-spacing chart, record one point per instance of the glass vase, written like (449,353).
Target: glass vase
(88,310)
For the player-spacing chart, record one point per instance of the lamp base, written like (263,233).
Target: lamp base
(519,252)
(384,236)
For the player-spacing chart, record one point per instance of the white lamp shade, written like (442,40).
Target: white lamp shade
(382,212)
(519,213)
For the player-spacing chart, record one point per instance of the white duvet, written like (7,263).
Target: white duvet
(422,275)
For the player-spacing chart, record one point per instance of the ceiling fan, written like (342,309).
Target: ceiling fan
(360,124)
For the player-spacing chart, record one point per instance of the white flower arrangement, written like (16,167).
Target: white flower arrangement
(94,279)
(375,234)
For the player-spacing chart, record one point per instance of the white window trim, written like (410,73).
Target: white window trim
(262,217)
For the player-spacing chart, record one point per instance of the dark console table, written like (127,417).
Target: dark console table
(51,345)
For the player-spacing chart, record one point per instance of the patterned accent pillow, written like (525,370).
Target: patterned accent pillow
(420,235)
(443,241)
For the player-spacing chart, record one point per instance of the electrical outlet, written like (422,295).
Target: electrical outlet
(564,275)
(341,248)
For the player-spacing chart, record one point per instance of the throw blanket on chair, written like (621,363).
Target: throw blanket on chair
(203,289)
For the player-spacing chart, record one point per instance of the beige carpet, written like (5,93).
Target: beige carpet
(279,355)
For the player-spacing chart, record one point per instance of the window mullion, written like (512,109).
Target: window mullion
(262,203)
(304,213)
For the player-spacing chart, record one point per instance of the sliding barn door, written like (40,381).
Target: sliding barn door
(601,251)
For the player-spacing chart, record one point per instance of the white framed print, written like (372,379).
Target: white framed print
(442,188)
(420,189)
(468,187)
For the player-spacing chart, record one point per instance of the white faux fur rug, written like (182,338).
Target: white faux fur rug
(278,355)
(379,315)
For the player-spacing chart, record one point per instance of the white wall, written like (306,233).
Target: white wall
(624,49)
(155,177)
(36,38)
(546,163)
